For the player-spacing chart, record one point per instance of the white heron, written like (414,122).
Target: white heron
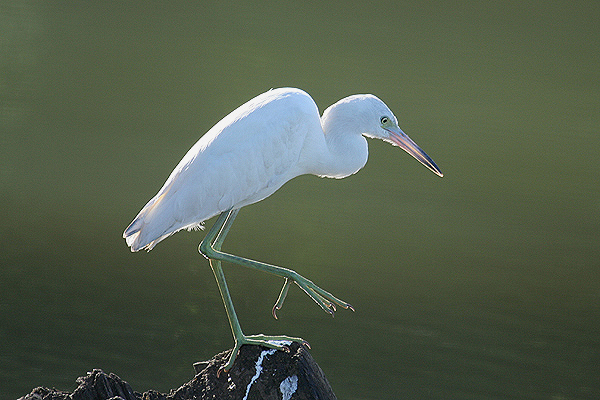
(245,158)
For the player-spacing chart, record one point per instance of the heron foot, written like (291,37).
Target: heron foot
(323,298)
(273,342)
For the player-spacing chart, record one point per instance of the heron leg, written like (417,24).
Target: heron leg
(218,233)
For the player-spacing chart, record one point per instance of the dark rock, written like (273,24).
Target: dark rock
(258,373)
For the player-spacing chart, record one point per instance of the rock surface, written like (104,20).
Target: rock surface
(258,373)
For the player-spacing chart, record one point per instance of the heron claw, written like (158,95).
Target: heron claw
(275,308)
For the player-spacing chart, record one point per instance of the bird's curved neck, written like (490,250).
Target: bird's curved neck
(347,150)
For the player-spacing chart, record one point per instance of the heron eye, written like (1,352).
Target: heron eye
(384,120)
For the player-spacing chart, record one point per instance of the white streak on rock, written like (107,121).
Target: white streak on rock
(280,342)
(258,368)
(288,387)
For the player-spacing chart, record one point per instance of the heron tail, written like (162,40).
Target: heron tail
(145,231)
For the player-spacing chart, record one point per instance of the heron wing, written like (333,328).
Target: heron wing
(243,159)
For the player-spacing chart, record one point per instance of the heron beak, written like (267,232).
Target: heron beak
(402,140)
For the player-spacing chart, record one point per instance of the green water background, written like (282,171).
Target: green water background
(482,285)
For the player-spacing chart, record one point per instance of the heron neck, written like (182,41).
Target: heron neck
(347,152)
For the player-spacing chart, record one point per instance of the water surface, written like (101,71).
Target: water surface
(482,285)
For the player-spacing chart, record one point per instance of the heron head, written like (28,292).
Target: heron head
(378,121)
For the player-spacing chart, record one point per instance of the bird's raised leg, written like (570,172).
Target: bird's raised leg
(324,299)
(211,248)
(218,233)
